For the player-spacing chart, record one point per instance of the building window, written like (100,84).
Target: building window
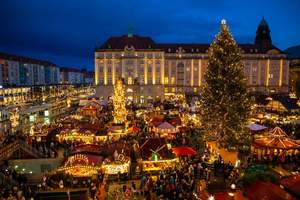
(130,82)
(195,89)
(166,90)
(157,69)
(270,75)
(166,80)
(173,89)
(172,80)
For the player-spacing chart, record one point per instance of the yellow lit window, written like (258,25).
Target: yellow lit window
(166,80)
(173,80)
(130,82)
(173,89)
(166,90)
(195,89)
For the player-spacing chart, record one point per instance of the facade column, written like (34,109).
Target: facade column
(200,72)
(145,69)
(162,69)
(97,71)
(105,70)
(280,73)
(153,69)
(113,71)
(192,73)
(122,66)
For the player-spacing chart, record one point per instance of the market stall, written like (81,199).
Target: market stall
(133,130)
(81,165)
(276,142)
(184,151)
(165,129)
(157,155)
(115,132)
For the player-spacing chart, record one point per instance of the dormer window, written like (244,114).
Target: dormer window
(169,50)
(109,46)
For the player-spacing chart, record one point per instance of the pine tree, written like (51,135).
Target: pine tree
(119,103)
(225,102)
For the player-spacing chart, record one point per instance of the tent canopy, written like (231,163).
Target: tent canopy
(165,125)
(256,127)
(184,151)
(277,138)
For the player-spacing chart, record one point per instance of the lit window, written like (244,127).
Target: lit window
(195,89)
(130,82)
(172,80)
(166,80)
(173,89)
(166,90)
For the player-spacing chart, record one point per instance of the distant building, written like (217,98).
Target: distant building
(295,76)
(76,76)
(24,71)
(89,77)
(155,70)
(71,76)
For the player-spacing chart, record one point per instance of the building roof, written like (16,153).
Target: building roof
(121,42)
(292,185)
(24,59)
(267,191)
(256,127)
(157,145)
(70,69)
(146,43)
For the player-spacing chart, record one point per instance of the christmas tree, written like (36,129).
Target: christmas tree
(119,103)
(225,102)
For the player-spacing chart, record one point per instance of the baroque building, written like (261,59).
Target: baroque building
(156,70)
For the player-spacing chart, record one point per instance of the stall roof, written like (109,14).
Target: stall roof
(256,127)
(267,191)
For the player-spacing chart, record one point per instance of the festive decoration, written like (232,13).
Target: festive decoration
(14,117)
(119,103)
(225,101)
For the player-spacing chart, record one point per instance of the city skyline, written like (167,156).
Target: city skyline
(67,34)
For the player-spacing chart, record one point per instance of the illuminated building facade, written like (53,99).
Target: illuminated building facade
(153,70)
(24,71)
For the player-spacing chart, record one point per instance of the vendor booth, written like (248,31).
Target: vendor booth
(276,142)
(165,129)
(157,155)
(81,165)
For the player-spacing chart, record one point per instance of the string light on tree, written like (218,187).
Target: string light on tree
(225,102)
(119,103)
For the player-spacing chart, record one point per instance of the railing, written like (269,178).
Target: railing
(31,150)
(9,149)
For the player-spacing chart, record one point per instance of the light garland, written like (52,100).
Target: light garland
(119,103)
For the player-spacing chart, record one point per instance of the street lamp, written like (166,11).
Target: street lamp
(231,193)
(211,197)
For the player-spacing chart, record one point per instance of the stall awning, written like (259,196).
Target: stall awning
(184,151)
(256,127)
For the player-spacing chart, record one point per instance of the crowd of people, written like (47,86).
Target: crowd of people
(13,185)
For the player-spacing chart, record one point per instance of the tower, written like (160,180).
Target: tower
(263,37)
(119,103)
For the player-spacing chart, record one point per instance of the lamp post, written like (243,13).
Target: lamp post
(232,191)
